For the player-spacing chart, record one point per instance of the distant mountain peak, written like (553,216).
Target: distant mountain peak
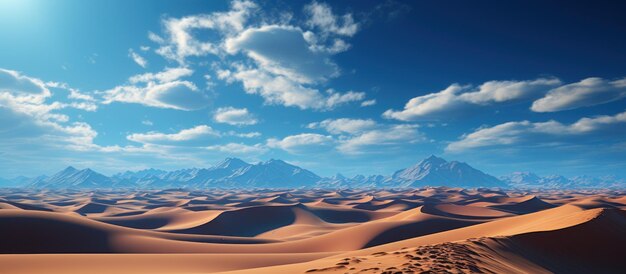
(69,169)
(232,163)
(437,171)
(432,160)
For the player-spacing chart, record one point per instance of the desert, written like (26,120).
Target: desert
(432,230)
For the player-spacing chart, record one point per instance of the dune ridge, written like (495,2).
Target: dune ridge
(312,231)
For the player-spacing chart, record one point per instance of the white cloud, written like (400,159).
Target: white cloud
(195,133)
(162,90)
(344,125)
(181,95)
(234,116)
(76,94)
(385,136)
(359,136)
(588,92)
(253,134)
(180,43)
(368,103)
(457,97)
(26,117)
(320,15)
(525,132)
(142,62)
(86,106)
(238,148)
(301,142)
(336,99)
(282,50)
(22,86)
(282,90)
(147,123)
(167,75)
(288,62)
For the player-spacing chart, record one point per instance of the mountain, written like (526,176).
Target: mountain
(139,174)
(435,171)
(531,180)
(273,174)
(74,178)
(236,173)
(229,173)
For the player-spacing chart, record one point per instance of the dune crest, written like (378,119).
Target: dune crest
(312,231)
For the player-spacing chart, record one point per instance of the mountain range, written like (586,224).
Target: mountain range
(236,173)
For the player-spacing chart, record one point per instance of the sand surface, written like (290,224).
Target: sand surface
(441,230)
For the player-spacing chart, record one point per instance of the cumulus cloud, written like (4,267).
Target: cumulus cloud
(26,117)
(534,133)
(301,142)
(234,116)
(238,148)
(162,90)
(167,75)
(153,137)
(384,136)
(321,16)
(588,92)
(179,42)
(142,62)
(288,62)
(359,136)
(457,97)
(283,90)
(282,50)
(368,103)
(344,125)
(22,86)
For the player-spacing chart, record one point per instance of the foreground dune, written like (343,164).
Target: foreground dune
(312,231)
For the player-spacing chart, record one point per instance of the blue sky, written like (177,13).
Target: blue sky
(353,86)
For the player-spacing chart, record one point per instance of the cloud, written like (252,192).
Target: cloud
(588,92)
(238,148)
(234,116)
(76,94)
(26,117)
(179,43)
(244,135)
(282,90)
(287,61)
(344,125)
(301,143)
(283,50)
(142,62)
(320,16)
(385,136)
(167,75)
(526,132)
(22,86)
(457,97)
(359,136)
(181,95)
(162,90)
(368,103)
(195,133)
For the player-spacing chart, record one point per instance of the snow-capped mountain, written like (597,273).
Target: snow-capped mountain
(435,171)
(230,173)
(236,173)
(74,178)
(531,180)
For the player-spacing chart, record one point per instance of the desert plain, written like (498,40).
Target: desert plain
(426,230)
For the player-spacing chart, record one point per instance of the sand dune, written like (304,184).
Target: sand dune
(314,231)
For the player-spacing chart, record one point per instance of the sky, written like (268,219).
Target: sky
(357,87)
